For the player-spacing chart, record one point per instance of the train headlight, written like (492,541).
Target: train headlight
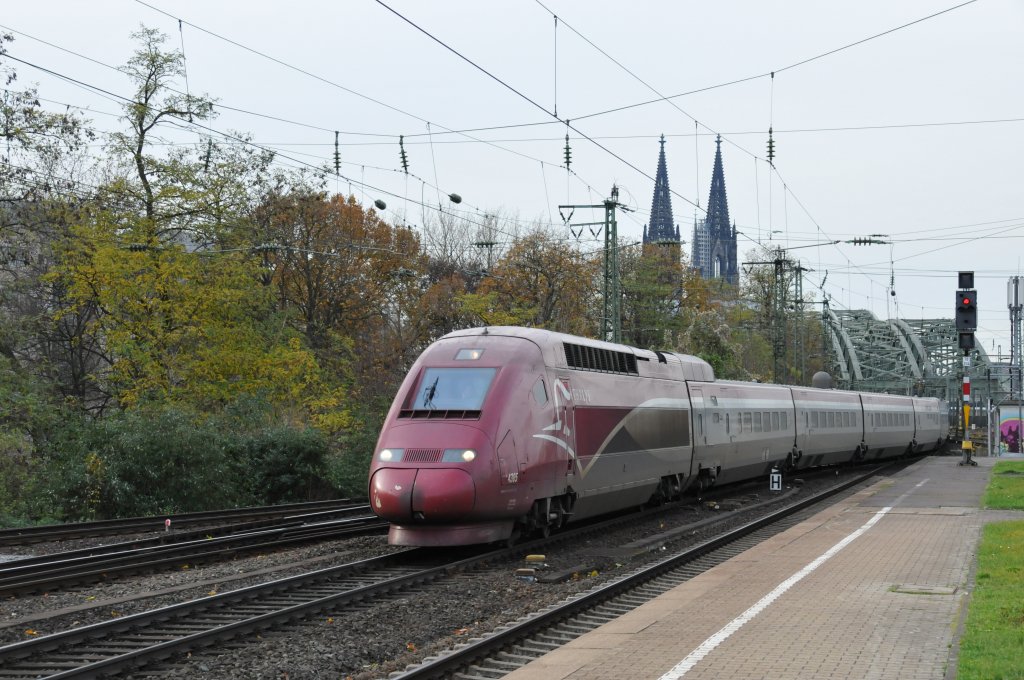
(391,455)
(458,456)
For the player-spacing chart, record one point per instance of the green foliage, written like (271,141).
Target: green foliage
(163,459)
(347,467)
(992,647)
(144,461)
(26,413)
(280,464)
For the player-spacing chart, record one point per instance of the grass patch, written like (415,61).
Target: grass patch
(1006,488)
(992,647)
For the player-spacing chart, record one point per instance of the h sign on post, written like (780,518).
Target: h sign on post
(775,480)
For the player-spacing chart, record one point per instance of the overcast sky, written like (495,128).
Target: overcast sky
(917,134)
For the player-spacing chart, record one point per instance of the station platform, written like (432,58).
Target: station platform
(874,587)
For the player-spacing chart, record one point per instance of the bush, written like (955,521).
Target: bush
(140,462)
(166,460)
(280,465)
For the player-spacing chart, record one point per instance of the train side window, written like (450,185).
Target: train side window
(853,419)
(757,421)
(747,427)
(700,424)
(540,392)
(727,430)
(775,422)
(831,419)
(783,421)
(846,419)
(767,422)
(814,419)
(716,417)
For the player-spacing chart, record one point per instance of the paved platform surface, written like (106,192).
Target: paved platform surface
(873,587)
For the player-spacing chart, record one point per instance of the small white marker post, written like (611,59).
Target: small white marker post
(775,480)
(167,524)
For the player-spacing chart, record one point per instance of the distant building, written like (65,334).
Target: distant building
(714,237)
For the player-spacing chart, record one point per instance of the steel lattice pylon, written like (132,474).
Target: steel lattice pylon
(918,357)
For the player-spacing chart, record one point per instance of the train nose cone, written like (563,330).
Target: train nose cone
(443,494)
(435,495)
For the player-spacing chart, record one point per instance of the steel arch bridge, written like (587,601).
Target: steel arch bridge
(919,357)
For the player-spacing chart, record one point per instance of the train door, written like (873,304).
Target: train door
(710,435)
(700,436)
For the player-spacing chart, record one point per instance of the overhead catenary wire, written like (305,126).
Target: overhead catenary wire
(520,94)
(470,141)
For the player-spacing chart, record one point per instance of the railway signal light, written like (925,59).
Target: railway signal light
(966,310)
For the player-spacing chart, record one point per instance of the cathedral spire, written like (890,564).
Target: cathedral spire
(718,204)
(661,227)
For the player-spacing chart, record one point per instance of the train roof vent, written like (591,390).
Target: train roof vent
(587,358)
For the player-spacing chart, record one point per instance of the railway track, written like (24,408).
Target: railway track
(156,523)
(136,640)
(517,644)
(143,639)
(67,569)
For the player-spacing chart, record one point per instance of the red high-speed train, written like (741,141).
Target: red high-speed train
(502,431)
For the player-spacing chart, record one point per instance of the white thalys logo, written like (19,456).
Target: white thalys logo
(560,433)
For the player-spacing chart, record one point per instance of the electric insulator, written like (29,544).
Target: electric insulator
(337,155)
(405,159)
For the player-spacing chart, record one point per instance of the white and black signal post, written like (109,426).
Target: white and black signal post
(966,324)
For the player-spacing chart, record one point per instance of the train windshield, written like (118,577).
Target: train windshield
(453,389)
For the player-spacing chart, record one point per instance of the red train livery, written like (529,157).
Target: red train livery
(502,431)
